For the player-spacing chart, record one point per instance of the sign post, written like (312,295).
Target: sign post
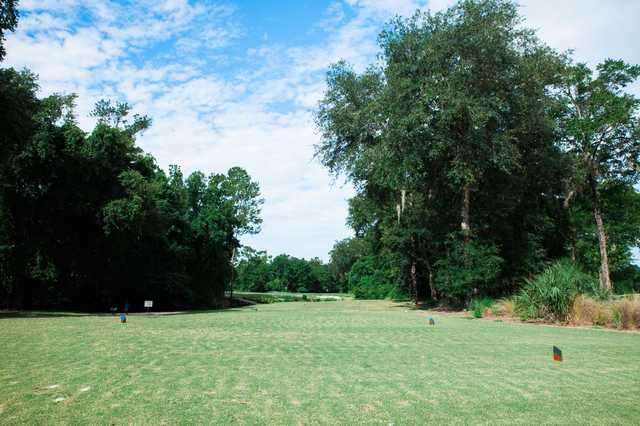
(148,304)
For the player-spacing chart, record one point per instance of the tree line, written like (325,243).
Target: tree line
(256,271)
(479,156)
(89,221)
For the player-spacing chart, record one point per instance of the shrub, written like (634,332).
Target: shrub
(479,307)
(551,294)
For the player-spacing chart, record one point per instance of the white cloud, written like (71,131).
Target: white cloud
(595,29)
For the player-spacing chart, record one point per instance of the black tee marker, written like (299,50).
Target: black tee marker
(557,354)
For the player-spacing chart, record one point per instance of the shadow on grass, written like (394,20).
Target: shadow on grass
(414,307)
(46,314)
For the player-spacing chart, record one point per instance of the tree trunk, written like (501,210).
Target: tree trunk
(605,279)
(432,287)
(233,271)
(414,281)
(413,271)
(572,234)
(465,225)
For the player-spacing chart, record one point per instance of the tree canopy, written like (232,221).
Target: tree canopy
(464,146)
(90,221)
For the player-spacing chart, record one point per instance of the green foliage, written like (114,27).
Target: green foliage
(89,221)
(551,294)
(479,306)
(627,280)
(342,257)
(371,279)
(458,107)
(468,269)
(257,272)
(470,124)
(621,209)
(599,124)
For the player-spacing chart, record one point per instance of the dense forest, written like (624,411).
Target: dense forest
(89,221)
(480,156)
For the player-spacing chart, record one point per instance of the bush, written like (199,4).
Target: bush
(551,294)
(479,307)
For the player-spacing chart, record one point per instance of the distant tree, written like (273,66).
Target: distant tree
(342,257)
(253,270)
(322,281)
(600,125)
(256,271)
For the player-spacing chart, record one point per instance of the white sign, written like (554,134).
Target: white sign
(148,303)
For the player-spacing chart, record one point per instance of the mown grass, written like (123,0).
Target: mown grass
(347,362)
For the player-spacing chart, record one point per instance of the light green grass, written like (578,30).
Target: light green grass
(348,362)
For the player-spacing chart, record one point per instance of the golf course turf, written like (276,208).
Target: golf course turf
(345,362)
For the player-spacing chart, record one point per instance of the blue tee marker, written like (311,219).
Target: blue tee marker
(123,318)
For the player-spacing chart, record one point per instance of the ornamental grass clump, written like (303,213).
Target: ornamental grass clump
(585,310)
(551,295)
(625,308)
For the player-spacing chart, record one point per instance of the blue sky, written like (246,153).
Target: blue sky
(236,83)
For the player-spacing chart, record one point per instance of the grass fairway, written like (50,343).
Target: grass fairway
(345,362)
